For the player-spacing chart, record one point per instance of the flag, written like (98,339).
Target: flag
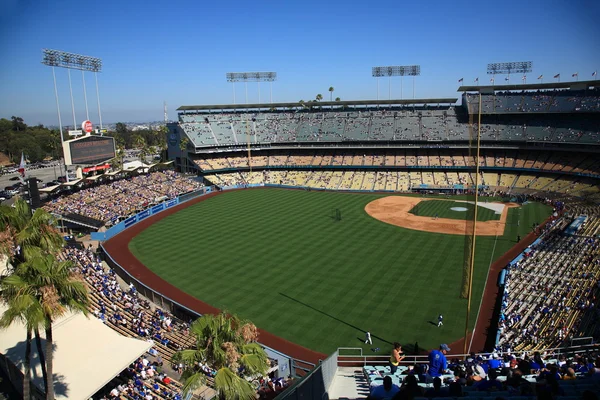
(460,80)
(22,166)
(476,80)
(595,73)
(523,78)
(540,77)
(557,76)
(575,74)
(507,78)
(492,80)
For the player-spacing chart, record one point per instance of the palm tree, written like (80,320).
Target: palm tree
(338,99)
(319,97)
(330,92)
(39,287)
(224,342)
(183,145)
(22,233)
(21,309)
(144,151)
(42,289)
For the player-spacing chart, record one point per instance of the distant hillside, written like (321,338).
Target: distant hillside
(4,160)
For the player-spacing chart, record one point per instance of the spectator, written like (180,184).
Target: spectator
(396,357)
(437,361)
(385,391)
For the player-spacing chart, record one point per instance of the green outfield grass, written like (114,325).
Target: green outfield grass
(278,258)
(442,209)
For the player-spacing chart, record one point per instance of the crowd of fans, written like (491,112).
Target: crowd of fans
(495,376)
(429,124)
(550,294)
(155,375)
(564,101)
(115,200)
(542,161)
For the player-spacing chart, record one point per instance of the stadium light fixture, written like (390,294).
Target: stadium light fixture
(522,67)
(396,70)
(64,59)
(246,77)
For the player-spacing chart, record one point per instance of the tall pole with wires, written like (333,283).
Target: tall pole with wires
(246,77)
(396,70)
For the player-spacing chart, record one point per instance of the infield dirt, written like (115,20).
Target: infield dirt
(394,210)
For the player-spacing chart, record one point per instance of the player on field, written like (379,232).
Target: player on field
(440,320)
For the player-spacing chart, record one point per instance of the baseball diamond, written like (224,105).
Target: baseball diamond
(277,257)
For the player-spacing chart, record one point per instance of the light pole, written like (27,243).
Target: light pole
(246,77)
(63,59)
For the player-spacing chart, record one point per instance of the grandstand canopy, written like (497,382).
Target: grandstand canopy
(87,355)
(530,86)
(348,103)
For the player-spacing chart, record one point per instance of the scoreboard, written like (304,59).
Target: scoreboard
(91,149)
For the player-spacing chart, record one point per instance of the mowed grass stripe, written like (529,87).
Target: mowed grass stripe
(278,258)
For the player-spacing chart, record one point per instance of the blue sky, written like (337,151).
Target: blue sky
(179,51)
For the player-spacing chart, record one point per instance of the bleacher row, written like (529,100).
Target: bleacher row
(515,386)
(133,317)
(431,124)
(402,181)
(546,161)
(550,293)
(548,101)
(110,201)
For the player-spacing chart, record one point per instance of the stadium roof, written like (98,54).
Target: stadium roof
(531,86)
(319,104)
(87,355)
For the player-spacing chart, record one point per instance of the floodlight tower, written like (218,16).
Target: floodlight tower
(396,70)
(246,77)
(63,59)
(523,67)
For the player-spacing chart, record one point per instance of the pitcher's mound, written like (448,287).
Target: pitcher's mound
(394,210)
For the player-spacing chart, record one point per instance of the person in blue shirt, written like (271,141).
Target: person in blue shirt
(437,361)
(494,362)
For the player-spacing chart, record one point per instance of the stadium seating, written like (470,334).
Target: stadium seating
(550,101)
(434,124)
(115,200)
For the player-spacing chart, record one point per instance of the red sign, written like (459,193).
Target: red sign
(87,126)
(96,168)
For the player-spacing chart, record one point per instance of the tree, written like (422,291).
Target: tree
(319,97)
(338,99)
(18,124)
(225,343)
(121,128)
(22,234)
(330,92)
(183,145)
(39,288)
(144,152)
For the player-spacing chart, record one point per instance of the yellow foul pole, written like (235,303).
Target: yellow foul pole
(474,233)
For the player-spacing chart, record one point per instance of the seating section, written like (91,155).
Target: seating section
(111,201)
(432,124)
(548,101)
(550,294)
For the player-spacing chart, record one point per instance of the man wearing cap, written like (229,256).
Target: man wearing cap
(437,361)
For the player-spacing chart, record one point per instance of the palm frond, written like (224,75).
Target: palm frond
(192,381)
(231,386)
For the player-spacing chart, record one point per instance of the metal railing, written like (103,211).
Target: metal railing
(364,360)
